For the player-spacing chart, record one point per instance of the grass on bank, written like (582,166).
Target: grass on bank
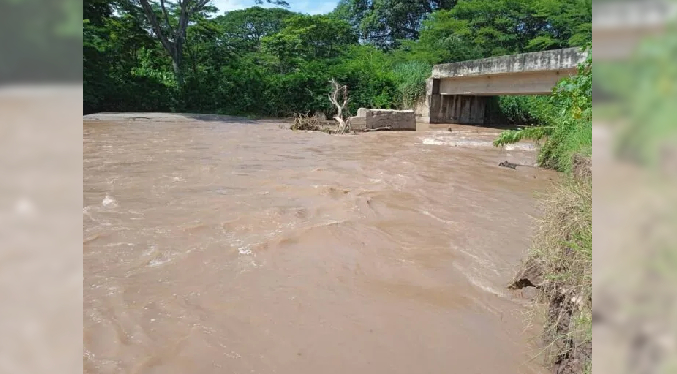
(561,251)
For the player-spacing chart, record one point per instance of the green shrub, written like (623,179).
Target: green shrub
(525,110)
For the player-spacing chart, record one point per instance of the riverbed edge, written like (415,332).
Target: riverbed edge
(559,267)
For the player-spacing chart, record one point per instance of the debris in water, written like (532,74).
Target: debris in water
(507,164)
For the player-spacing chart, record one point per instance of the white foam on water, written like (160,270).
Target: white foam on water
(157,262)
(462,142)
(520,147)
(487,264)
(109,201)
(436,217)
(477,282)
(244,251)
(456,142)
(432,141)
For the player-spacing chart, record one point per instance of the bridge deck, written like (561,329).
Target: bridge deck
(553,60)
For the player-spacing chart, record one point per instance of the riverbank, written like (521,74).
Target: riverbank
(165,117)
(559,268)
(559,263)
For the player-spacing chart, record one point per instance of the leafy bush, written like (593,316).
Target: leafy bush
(367,71)
(525,110)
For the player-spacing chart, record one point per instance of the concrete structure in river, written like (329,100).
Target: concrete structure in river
(371,119)
(461,92)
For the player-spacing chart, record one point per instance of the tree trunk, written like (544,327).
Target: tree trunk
(173,40)
(178,73)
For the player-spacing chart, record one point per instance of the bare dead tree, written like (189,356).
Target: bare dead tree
(339,97)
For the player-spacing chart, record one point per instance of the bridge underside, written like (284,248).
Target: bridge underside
(471,100)
(466,109)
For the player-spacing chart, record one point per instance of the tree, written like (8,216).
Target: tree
(485,28)
(172,31)
(242,30)
(123,66)
(385,22)
(444,38)
(234,62)
(306,38)
(567,24)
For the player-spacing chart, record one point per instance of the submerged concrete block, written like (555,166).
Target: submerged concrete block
(383,118)
(358,123)
(395,119)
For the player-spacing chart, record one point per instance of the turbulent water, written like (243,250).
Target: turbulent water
(241,247)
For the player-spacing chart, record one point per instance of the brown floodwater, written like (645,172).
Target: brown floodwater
(242,247)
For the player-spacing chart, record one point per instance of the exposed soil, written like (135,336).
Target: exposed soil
(571,356)
(582,167)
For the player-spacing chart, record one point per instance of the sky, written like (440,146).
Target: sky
(302,6)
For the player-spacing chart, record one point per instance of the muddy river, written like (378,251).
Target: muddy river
(241,247)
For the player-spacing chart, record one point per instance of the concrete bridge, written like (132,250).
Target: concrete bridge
(462,92)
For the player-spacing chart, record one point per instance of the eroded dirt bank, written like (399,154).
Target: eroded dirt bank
(226,245)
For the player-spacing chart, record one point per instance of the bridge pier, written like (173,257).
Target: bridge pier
(466,109)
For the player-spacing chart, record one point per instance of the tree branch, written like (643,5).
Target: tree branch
(155,25)
(201,4)
(164,11)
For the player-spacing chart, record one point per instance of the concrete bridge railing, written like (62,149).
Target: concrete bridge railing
(459,92)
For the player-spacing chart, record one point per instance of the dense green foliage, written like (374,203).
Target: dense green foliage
(411,77)
(525,109)
(567,127)
(386,23)
(274,62)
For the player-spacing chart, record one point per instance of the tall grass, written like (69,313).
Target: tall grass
(411,81)
(562,251)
